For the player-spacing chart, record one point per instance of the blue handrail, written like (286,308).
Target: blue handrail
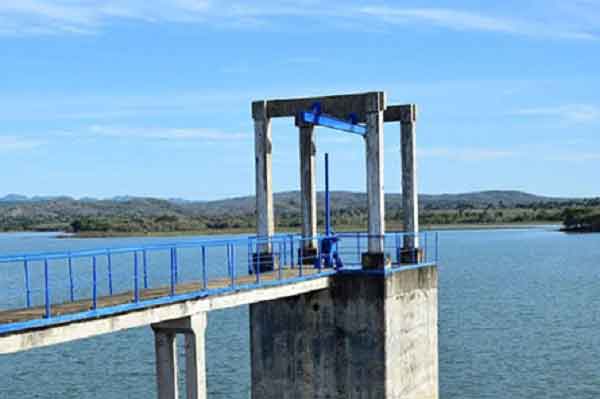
(184,262)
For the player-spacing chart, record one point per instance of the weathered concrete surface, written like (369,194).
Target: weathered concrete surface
(165,348)
(338,105)
(308,184)
(289,338)
(194,330)
(35,338)
(364,337)
(410,199)
(375,198)
(265,222)
(411,308)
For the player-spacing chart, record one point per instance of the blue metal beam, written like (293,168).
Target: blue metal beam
(315,117)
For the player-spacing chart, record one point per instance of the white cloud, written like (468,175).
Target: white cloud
(37,17)
(572,112)
(161,133)
(14,143)
(472,21)
(465,154)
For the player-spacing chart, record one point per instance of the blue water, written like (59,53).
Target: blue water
(519,318)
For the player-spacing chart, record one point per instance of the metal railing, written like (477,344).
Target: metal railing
(113,280)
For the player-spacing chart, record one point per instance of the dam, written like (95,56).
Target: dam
(332,315)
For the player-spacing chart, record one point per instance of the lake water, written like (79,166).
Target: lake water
(519,318)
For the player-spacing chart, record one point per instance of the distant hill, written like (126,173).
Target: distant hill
(128,213)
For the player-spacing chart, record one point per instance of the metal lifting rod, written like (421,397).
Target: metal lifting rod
(327,207)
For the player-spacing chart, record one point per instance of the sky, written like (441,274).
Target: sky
(152,97)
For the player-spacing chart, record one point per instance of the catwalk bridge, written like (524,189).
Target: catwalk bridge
(336,315)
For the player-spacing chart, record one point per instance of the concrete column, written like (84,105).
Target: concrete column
(375,196)
(166,364)
(367,336)
(194,330)
(410,200)
(308,184)
(265,224)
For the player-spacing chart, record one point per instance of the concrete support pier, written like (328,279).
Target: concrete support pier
(265,223)
(193,328)
(367,336)
(308,186)
(375,257)
(410,199)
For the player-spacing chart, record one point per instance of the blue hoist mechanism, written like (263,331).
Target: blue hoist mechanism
(315,116)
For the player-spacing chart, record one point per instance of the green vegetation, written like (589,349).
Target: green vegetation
(122,216)
(585,220)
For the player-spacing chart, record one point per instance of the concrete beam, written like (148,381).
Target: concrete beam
(375,197)
(339,106)
(410,199)
(400,113)
(265,223)
(308,184)
(26,340)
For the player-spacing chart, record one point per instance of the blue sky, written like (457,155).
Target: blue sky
(152,98)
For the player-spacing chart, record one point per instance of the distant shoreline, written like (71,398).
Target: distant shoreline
(236,231)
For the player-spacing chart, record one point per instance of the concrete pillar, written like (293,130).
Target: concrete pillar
(375,258)
(410,200)
(308,184)
(368,336)
(166,364)
(265,224)
(194,329)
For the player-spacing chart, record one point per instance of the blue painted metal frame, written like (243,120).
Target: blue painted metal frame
(342,245)
(315,117)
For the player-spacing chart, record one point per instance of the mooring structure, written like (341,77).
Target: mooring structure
(332,315)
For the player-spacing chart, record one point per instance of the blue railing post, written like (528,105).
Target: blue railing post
(175,265)
(172,264)
(258,262)
(109,266)
(233,271)
(47,290)
(94,283)
(280,260)
(204,275)
(71,285)
(27,283)
(136,278)
(292,255)
(145,266)
(283,244)
(249,256)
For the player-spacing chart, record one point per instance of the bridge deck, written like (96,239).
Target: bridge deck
(33,313)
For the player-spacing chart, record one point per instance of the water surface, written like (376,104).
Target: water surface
(519,318)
